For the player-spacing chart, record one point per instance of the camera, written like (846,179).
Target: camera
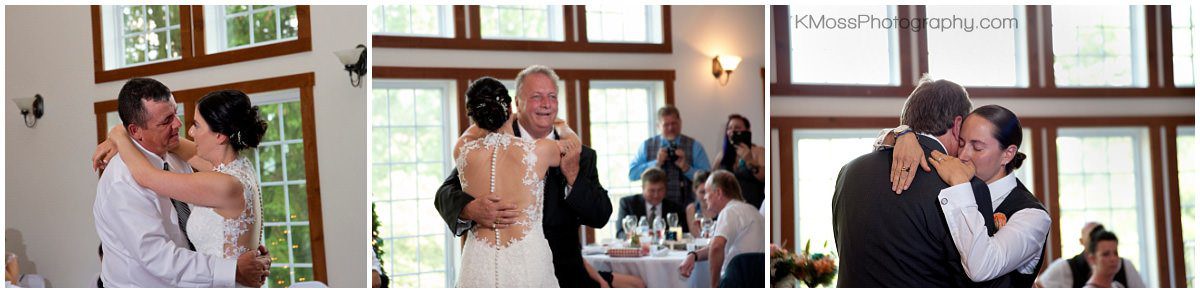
(671,156)
(740,137)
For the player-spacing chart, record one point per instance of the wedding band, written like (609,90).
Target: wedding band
(905,169)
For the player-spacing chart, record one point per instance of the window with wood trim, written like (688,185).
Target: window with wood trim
(868,50)
(141,34)
(622,115)
(413,20)
(413,131)
(241,26)
(571,28)
(144,40)
(1185,145)
(1102,177)
(286,161)
(1183,29)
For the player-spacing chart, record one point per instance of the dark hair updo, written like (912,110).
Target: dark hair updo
(488,103)
(1008,131)
(229,112)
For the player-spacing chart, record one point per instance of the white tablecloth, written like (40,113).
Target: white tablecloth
(656,271)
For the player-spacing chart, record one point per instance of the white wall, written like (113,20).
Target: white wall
(698,34)
(49,185)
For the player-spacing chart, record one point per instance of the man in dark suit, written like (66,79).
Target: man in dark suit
(889,240)
(650,203)
(573,195)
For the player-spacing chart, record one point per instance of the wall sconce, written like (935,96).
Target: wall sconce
(724,65)
(31,105)
(355,61)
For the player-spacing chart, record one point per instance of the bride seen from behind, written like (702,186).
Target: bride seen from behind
(490,160)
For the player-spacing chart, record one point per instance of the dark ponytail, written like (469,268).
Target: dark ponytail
(1008,131)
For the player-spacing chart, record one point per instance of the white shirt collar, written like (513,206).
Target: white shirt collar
(154,159)
(530,134)
(1001,188)
(934,139)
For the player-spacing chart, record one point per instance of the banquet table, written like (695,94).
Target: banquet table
(656,271)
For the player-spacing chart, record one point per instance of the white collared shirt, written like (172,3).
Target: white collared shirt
(143,245)
(658,212)
(742,226)
(1016,246)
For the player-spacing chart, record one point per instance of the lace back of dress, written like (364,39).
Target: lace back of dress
(235,229)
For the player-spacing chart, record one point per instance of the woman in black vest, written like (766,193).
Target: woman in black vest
(1003,248)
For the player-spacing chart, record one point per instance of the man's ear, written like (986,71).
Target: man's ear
(134,132)
(957,125)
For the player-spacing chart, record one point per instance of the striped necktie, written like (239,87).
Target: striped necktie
(183,211)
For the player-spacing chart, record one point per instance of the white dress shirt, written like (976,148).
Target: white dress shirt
(742,226)
(1059,275)
(1016,246)
(143,245)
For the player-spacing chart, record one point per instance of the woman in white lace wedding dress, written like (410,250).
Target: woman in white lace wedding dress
(490,160)
(226,213)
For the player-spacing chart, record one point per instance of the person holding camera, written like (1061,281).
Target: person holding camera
(677,154)
(744,159)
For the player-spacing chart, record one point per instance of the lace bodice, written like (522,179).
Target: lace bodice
(503,156)
(214,234)
(517,256)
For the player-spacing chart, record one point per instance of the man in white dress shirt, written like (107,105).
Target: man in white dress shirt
(739,227)
(142,233)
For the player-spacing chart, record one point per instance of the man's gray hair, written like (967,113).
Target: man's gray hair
(532,69)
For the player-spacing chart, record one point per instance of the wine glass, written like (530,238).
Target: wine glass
(643,225)
(629,223)
(673,220)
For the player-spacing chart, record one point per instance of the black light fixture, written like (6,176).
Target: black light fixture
(31,106)
(355,61)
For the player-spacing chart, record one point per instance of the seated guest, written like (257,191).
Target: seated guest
(1076,271)
(378,280)
(650,203)
(744,159)
(739,227)
(698,206)
(1105,263)
(678,155)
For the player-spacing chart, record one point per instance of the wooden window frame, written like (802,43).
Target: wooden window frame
(193,53)
(577,83)
(575,36)
(1038,20)
(304,82)
(1161,134)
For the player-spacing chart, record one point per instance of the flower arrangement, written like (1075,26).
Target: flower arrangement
(813,269)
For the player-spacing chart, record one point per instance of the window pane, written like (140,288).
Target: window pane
(955,54)
(1102,179)
(413,20)
(141,34)
(624,23)
(621,118)
(1183,26)
(1099,46)
(521,22)
(240,26)
(816,180)
(282,173)
(1026,172)
(826,55)
(1185,145)
(412,131)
